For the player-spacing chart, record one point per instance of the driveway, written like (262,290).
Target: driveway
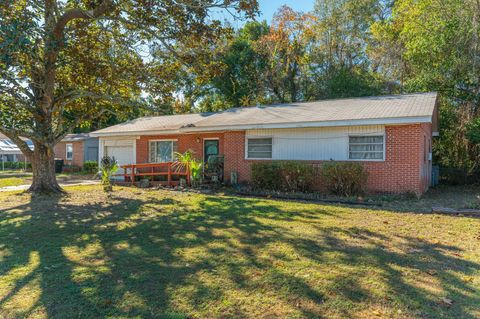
(25,187)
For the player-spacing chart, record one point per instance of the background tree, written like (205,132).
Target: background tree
(436,46)
(285,49)
(64,63)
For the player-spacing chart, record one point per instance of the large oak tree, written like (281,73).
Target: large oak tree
(64,63)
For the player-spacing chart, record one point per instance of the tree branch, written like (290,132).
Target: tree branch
(14,136)
(77,13)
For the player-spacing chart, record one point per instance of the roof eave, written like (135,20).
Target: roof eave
(379,121)
(213,128)
(135,133)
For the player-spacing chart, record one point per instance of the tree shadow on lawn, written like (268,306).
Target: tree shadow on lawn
(156,258)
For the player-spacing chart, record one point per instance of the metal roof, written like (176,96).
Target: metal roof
(8,147)
(156,123)
(391,109)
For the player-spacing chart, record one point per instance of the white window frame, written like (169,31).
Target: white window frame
(367,159)
(66,151)
(161,140)
(256,138)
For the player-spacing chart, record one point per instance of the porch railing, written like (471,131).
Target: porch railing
(170,170)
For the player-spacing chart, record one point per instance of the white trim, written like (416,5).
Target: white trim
(256,138)
(359,122)
(164,140)
(66,152)
(367,159)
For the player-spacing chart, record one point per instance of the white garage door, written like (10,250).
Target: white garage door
(123,155)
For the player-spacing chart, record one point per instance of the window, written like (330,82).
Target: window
(259,148)
(366,148)
(69,151)
(162,151)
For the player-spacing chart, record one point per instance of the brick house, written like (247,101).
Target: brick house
(75,149)
(390,135)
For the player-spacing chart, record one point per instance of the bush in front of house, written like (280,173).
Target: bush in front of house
(90,167)
(286,176)
(344,178)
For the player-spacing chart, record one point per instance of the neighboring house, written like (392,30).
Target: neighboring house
(9,151)
(390,135)
(75,149)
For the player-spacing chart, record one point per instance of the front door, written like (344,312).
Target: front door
(210,148)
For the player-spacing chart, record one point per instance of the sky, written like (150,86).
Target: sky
(268,9)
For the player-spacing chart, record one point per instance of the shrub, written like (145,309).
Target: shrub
(265,175)
(15,165)
(344,179)
(283,176)
(90,167)
(108,167)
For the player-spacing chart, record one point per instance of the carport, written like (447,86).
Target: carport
(9,152)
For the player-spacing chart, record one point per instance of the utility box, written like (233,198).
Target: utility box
(233,178)
(435,175)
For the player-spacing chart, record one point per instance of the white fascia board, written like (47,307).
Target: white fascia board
(135,133)
(382,121)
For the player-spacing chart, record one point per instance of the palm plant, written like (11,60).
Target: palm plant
(108,166)
(186,160)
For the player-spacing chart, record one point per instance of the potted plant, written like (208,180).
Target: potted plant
(108,166)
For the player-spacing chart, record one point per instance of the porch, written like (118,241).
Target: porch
(165,174)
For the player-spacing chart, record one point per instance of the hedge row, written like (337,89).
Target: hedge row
(340,178)
(15,165)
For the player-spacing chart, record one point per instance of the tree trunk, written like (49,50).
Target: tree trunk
(43,166)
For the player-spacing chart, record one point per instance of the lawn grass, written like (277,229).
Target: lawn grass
(16,178)
(11,181)
(163,254)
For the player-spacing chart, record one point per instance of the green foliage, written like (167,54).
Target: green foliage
(432,45)
(187,159)
(473,131)
(266,175)
(14,165)
(345,83)
(84,64)
(90,167)
(108,167)
(289,176)
(344,178)
(299,57)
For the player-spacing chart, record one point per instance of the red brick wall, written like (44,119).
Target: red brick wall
(192,142)
(61,152)
(404,168)
(400,172)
